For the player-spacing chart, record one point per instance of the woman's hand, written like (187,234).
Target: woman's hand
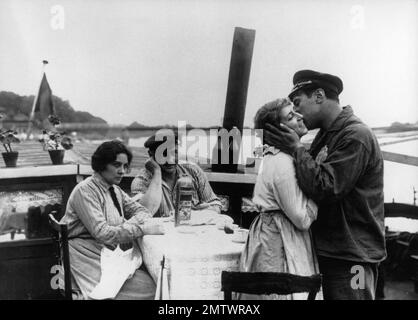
(201,206)
(152,166)
(151,198)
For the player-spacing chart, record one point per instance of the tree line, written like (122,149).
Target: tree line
(14,107)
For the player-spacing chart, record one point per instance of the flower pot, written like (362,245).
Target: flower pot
(10,158)
(57,156)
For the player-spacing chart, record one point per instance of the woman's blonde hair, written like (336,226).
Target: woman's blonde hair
(270,113)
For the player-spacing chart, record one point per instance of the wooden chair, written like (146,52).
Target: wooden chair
(60,234)
(269,282)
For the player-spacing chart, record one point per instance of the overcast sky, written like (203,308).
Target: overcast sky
(157,62)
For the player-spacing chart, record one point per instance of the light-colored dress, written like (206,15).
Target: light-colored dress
(93,222)
(279,239)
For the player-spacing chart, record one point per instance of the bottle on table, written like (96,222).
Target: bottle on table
(184,194)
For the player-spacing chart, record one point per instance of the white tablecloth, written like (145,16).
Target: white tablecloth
(193,261)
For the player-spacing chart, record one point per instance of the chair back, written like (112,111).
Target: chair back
(60,234)
(268,283)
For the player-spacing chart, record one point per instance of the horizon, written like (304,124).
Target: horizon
(146,127)
(161,59)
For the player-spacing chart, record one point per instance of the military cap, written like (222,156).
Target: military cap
(160,137)
(310,78)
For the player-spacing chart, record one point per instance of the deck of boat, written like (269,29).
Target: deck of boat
(31,154)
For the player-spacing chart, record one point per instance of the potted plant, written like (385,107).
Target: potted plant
(7,137)
(55,142)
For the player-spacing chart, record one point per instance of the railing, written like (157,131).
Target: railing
(24,189)
(400,158)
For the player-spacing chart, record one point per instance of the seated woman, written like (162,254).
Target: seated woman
(100,214)
(155,185)
(279,239)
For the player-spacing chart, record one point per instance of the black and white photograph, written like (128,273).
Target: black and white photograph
(182,150)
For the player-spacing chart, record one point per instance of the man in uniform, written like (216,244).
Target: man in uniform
(343,173)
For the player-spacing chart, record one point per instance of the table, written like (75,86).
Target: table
(194,261)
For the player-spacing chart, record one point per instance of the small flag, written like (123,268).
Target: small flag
(44,103)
